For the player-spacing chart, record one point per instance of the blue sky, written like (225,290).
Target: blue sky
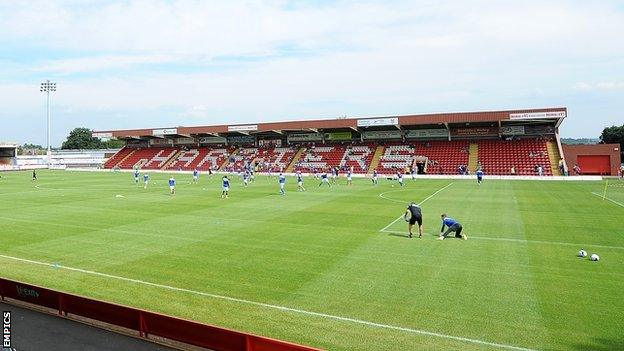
(140,64)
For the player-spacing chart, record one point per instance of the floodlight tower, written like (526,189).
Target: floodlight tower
(48,87)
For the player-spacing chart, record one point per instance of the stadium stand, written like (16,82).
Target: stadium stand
(118,157)
(496,140)
(499,156)
(321,158)
(395,157)
(275,159)
(202,158)
(148,158)
(358,157)
(444,157)
(243,156)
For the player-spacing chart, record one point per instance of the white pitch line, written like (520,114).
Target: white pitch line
(529,241)
(391,223)
(403,202)
(278,307)
(606,198)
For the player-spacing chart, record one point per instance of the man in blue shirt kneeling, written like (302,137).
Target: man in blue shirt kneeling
(453,226)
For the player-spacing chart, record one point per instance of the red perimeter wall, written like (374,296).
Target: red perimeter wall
(601,159)
(144,322)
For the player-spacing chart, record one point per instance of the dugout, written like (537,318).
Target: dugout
(599,159)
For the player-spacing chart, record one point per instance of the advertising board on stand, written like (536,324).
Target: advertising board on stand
(337,136)
(305,137)
(382,134)
(426,133)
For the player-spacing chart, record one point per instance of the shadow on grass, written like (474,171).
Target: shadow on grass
(601,344)
(400,235)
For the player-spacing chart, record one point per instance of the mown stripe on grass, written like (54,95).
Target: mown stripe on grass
(529,241)
(278,307)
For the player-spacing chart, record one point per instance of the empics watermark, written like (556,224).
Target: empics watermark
(6,330)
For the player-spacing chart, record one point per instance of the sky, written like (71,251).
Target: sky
(144,64)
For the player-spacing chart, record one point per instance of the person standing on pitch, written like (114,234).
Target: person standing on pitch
(34,175)
(324,180)
(413,215)
(226,187)
(300,182)
(195,175)
(453,226)
(282,182)
(136,176)
(172,184)
(479,176)
(400,178)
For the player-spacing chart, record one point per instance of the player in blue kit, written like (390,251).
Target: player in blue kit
(300,182)
(172,184)
(226,187)
(195,175)
(453,226)
(479,176)
(282,183)
(246,178)
(349,178)
(400,178)
(334,172)
(145,180)
(136,176)
(375,176)
(324,179)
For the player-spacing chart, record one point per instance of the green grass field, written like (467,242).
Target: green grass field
(314,268)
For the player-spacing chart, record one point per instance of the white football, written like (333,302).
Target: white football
(594,257)
(582,253)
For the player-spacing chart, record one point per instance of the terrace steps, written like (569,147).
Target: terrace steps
(295,159)
(172,159)
(227,162)
(473,158)
(376,157)
(553,157)
(123,159)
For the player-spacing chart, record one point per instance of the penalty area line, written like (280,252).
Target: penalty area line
(277,307)
(419,204)
(606,198)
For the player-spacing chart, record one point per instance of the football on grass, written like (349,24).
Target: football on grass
(582,253)
(594,257)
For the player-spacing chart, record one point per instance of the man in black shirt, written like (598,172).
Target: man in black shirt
(413,215)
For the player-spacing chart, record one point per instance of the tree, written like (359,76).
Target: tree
(31,149)
(615,135)
(80,138)
(113,144)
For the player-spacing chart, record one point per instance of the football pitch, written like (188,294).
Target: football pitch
(332,268)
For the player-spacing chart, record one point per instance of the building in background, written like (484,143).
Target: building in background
(599,159)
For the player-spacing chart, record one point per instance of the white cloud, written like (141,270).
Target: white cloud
(98,63)
(217,61)
(600,86)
